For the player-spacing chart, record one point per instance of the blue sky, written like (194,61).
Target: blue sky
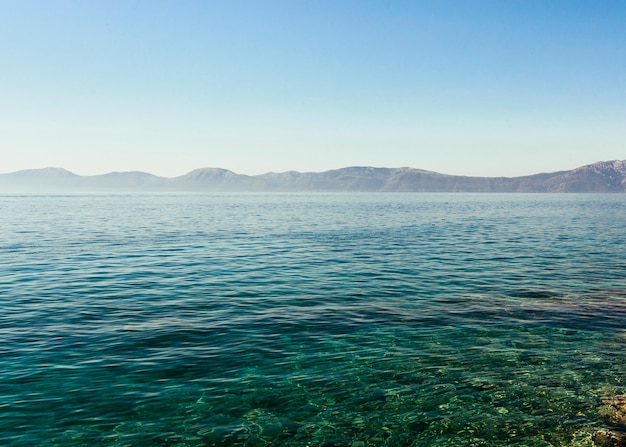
(466,87)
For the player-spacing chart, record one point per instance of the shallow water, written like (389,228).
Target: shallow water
(317,319)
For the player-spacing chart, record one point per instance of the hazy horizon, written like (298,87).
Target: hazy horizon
(143,171)
(478,89)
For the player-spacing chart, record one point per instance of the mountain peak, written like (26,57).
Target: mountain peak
(47,172)
(206,173)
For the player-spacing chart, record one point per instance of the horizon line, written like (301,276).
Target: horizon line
(59,168)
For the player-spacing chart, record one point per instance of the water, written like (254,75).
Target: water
(311,320)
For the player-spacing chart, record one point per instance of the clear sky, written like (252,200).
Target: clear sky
(506,87)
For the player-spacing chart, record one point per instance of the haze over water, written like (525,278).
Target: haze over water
(316,319)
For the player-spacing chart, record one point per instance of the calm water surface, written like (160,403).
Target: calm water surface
(310,320)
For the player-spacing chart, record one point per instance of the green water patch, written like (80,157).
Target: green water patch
(490,385)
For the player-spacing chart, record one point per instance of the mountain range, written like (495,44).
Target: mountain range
(600,177)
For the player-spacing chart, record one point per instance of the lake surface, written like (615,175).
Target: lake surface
(310,320)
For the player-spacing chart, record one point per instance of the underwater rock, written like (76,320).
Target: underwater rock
(606,438)
(614,409)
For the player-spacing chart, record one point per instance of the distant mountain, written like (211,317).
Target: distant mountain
(606,176)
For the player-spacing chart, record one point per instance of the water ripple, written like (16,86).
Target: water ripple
(290,320)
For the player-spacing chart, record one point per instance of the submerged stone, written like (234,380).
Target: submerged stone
(614,409)
(607,438)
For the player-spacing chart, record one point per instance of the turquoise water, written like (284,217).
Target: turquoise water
(311,320)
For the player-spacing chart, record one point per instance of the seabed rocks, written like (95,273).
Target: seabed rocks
(609,438)
(614,409)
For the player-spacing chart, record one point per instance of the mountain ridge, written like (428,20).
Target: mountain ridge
(599,177)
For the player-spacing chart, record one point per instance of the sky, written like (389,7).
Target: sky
(485,88)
